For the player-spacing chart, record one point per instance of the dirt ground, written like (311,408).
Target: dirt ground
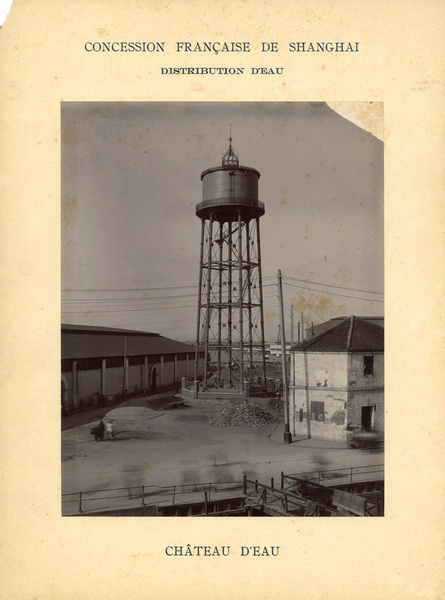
(164,442)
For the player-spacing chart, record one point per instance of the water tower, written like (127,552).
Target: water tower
(230,325)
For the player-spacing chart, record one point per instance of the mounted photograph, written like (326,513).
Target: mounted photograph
(222,318)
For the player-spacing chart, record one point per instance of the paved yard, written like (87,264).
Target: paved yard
(172,447)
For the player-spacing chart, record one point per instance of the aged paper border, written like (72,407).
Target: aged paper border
(400,63)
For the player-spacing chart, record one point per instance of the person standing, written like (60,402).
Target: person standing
(98,431)
(110,430)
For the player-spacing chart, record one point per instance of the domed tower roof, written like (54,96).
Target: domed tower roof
(230,157)
(229,189)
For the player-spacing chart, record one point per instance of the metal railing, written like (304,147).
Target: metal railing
(230,202)
(347,475)
(128,497)
(259,495)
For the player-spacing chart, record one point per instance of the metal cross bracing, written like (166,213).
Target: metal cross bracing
(230,328)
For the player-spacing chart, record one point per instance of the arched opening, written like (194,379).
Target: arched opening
(154,379)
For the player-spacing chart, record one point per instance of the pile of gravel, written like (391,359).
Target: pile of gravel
(131,413)
(245,415)
(143,409)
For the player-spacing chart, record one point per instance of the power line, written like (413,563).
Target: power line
(161,307)
(66,311)
(311,308)
(94,300)
(142,299)
(339,287)
(183,287)
(305,287)
(177,287)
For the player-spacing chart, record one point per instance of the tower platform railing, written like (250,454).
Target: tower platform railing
(237,201)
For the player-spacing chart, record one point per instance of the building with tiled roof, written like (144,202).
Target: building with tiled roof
(99,363)
(326,325)
(337,380)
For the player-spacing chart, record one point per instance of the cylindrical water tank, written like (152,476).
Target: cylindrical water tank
(228,189)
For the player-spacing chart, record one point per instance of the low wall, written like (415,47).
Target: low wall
(191,389)
(211,395)
(188,393)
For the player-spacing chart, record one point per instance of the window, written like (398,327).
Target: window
(317,411)
(368,365)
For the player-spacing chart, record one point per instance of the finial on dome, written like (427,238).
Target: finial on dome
(230,158)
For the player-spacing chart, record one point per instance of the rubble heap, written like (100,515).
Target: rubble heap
(245,415)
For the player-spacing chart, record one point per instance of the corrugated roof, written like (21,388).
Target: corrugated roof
(79,341)
(353,334)
(111,330)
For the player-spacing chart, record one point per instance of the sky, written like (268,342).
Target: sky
(131,181)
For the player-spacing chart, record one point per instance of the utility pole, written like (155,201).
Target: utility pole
(287,439)
(125,367)
(291,325)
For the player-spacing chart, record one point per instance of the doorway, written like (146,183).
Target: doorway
(154,379)
(367,414)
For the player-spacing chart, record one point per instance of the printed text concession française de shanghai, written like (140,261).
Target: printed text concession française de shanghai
(219,47)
